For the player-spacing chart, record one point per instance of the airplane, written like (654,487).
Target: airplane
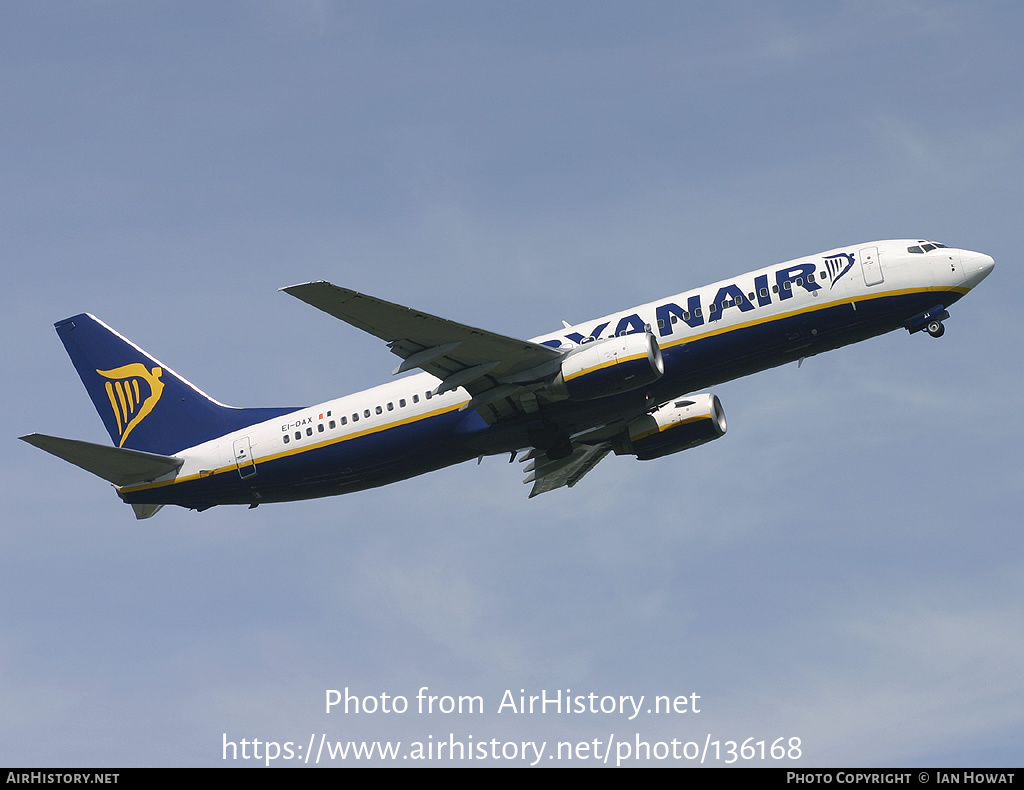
(561,402)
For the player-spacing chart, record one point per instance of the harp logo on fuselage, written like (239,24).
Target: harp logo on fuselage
(133,392)
(838,265)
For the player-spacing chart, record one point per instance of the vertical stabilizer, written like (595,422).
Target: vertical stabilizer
(144,404)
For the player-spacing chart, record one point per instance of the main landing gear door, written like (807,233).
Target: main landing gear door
(870,266)
(243,458)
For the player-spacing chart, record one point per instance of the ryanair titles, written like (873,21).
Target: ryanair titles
(696,313)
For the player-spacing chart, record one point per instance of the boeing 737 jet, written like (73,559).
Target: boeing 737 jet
(618,384)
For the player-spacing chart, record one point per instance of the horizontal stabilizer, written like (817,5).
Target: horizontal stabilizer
(116,464)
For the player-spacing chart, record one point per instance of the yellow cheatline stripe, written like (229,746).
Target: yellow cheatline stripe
(660,429)
(811,308)
(606,364)
(204,473)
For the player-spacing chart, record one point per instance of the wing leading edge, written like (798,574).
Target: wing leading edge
(496,370)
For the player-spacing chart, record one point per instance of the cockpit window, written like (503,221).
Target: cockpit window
(925,246)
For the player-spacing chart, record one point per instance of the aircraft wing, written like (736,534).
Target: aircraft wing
(493,368)
(547,475)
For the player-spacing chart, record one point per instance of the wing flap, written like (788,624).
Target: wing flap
(548,475)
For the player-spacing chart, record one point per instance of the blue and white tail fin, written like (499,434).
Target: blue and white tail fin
(144,404)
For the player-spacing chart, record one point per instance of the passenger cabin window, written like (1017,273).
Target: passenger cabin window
(319,427)
(286,438)
(366,412)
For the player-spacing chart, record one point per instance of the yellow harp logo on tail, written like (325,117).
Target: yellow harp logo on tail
(128,399)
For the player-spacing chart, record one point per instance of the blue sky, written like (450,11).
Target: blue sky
(844,566)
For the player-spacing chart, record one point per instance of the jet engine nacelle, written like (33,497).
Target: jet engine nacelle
(608,367)
(675,427)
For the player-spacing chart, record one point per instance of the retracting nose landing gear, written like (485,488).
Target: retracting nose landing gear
(930,321)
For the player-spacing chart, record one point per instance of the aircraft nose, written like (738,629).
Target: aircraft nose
(976,266)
